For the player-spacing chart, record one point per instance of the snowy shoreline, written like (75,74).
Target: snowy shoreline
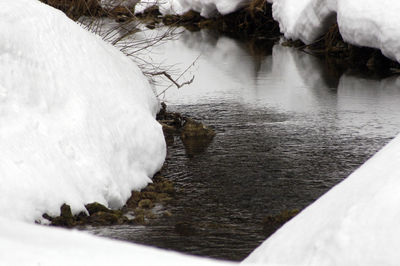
(78,126)
(304,21)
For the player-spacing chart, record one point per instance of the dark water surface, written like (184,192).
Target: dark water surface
(287,131)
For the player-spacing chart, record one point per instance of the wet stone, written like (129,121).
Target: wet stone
(66,219)
(195,129)
(95,207)
(105,219)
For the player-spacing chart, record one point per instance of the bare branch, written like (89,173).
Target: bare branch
(168,76)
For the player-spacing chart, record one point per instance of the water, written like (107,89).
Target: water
(288,129)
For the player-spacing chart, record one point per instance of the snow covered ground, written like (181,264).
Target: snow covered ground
(77,116)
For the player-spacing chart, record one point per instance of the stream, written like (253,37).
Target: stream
(288,128)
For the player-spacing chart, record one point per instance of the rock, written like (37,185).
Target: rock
(95,207)
(150,195)
(167,129)
(145,204)
(171,19)
(66,219)
(165,187)
(192,128)
(194,146)
(47,217)
(81,217)
(150,188)
(66,211)
(163,197)
(152,11)
(139,219)
(191,16)
(133,200)
(104,219)
(167,214)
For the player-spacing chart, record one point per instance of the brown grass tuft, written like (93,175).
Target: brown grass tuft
(76,8)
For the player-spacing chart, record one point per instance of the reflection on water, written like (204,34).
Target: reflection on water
(287,131)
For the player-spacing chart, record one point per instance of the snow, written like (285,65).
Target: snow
(366,23)
(355,223)
(372,24)
(24,244)
(77,116)
(206,8)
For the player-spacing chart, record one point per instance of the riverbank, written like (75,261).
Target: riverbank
(256,22)
(253,21)
(140,207)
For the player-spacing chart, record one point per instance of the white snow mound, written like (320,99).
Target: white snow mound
(76,115)
(366,23)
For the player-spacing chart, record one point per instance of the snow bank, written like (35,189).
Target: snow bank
(355,223)
(372,24)
(206,8)
(361,22)
(367,23)
(304,19)
(25,244)
(76,115)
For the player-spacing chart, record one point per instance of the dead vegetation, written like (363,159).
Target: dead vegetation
(77,8)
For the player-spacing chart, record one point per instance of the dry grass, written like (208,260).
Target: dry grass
(77,8)
(257,6)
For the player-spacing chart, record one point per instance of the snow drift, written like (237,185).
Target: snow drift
(355,223)
(366,23)
(76,115)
